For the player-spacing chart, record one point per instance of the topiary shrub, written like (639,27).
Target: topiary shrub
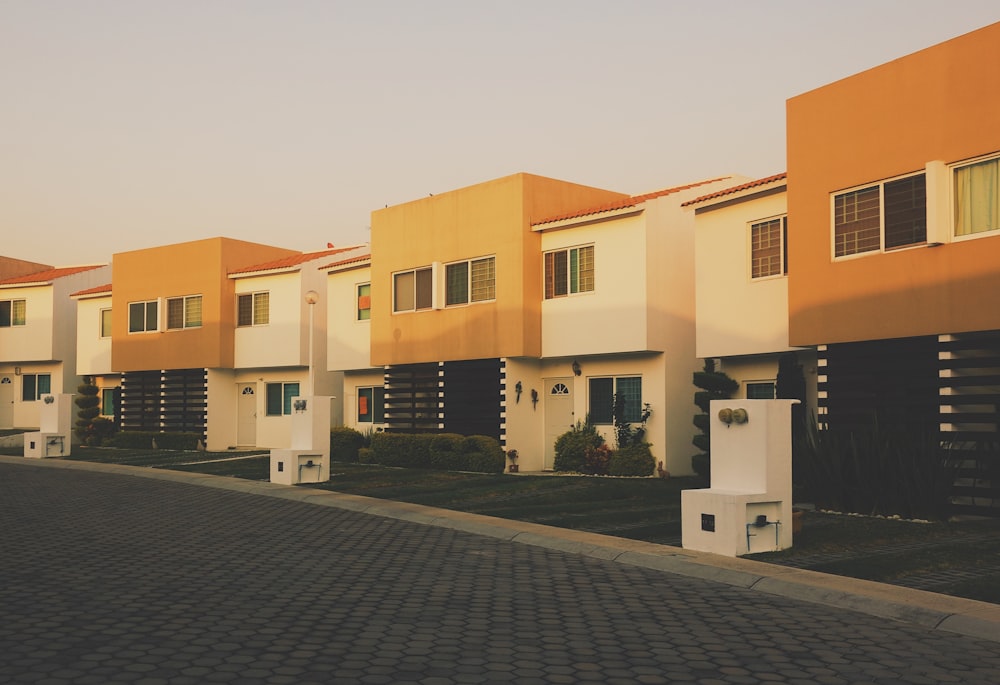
(571,447)
(345,443)
(408,450)
(634,460)
(89,409)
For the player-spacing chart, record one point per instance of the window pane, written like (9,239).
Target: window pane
(574,271)
(151,319)
(44,384)
(856,222)
(403,292)
(5,309)
(175,312)
(560,273)
(364,405)
(364,302)
(631,390)
(378,404)
(765,248)
(105,323)
(550,275)
(291,390)
(586,269)
(457,283)
(484,279)
(192,311)
(18,315)
(905,211)
(760,391)
(977,197)
(28,387)
(136,317)
(601,396)
(274,399)
(425,289)
(261,309)
(244,310)
(108,402)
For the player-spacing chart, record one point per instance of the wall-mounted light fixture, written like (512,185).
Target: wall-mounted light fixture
(17,370)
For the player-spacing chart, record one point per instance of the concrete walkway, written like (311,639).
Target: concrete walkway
(109,571)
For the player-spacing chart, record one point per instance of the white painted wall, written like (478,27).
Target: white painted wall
(280,342)
(348,341)
(737,315)
(526,424)
(353,380)
(34,341)
(93,353)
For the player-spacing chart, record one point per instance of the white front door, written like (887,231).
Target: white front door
(246,412)
(6,402)
(558,415)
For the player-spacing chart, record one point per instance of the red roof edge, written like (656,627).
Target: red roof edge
(735,189)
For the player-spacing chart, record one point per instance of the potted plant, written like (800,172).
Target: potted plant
(512,455)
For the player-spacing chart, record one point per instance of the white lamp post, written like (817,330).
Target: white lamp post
(312,297)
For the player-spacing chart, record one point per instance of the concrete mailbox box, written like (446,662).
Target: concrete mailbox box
(55,435)
(308,458)
(748,508)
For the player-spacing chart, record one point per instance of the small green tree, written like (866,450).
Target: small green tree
(625,434)
(713,385)
(89,409)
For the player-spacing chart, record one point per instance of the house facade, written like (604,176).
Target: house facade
(38,338)
(894,196)
(741,276)
(93,347)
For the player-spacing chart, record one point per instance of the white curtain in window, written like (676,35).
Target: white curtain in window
(977,197)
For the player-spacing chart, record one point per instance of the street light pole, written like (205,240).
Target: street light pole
(312,297)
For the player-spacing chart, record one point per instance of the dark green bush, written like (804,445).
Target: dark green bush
(408,450)
(596,460)
(366,455)
(436,450)
(89,409)
(345,443)
(634,460)
(101,431)
(571,447)
(446,452)
(483,454)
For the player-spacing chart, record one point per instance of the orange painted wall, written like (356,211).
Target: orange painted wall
(492,218)
(942,103)
(194,268)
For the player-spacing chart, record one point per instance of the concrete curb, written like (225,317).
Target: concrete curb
(967,617)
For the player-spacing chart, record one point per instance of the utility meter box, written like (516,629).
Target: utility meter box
(748,509)
(55,436)
(308,458)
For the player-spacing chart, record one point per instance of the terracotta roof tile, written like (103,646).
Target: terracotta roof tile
(97,290)
(49,274)
(735,189)
(633,201)
(294,260)
(345,262)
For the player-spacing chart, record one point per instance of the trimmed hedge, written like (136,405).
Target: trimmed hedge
(634,460)
(445,451)
(164,441)
(345,443)
(572,446)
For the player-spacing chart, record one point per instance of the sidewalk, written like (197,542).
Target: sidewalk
(938,612)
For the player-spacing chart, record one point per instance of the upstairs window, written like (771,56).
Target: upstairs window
(768,248)
(977,197)
(184,312)
(105,323)
(569,271)
(364,302)
(881,217)
(34,385)
(413,290)
(470,281)
(143,317)
(12,313)
(253,309)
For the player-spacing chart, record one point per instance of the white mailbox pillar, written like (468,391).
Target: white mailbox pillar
(748,508)
(55,420)
(308,458)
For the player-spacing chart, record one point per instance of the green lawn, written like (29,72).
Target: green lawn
(647,509)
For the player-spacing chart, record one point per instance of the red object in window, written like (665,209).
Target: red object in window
(364,302)
(363,406)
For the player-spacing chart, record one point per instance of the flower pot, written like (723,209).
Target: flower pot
(513,468)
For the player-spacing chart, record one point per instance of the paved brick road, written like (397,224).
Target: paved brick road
(109,578)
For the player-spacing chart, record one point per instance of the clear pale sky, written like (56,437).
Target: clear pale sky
(132,123)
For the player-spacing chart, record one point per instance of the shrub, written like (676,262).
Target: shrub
(345,443)
(446,452)
(483,454)
(101,431)
(407,450)
(634,460)
(89,409)
(571,447)
(596,460)
(366,455)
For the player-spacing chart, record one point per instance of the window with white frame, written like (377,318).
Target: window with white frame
(769,248)
(13,313)
(371,404)
(279,398)
(106,323)
(413,290)
(143,317)
(34,385)
(183,312)
(472,280)
(880,217)
(977,197)
(569,271)
(253,309)
(601,398)
(364,301)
